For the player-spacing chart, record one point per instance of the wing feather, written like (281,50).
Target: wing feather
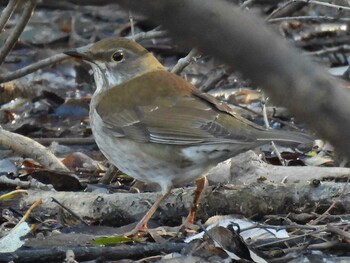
(171,112)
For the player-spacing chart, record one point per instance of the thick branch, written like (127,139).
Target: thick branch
(255,199)
(30,148)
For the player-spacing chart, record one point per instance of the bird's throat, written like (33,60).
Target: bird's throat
(110,75)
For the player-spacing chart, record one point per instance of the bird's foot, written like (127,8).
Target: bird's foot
(139,229)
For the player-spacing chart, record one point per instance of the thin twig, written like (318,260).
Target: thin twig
(29,211)
(28,8)
(279,9)
(267,126)
(320,246)
(325,50)
(69,211)
(264,112)
(327,212)
(311,18)
(261,115)
(132,26)
(338,231)
(184,62)
(282,240)
(32,183)
(339,7)
(33,67)
(150,34)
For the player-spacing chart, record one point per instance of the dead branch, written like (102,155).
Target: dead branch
(254,199)
(28,8)
(58,253)
(30,148)
(33,67)
(7,13)
(247,168)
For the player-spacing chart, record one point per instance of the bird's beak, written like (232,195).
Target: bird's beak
(82,53)
(73,53)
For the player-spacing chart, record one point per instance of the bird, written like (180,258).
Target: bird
(157,127)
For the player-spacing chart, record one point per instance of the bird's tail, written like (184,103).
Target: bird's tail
(285,136)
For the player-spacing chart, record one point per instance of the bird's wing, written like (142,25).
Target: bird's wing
(170,111)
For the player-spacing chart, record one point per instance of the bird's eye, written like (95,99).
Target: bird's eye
(118,56)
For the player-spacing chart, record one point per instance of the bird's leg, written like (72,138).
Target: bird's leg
(142,225)
(201,184)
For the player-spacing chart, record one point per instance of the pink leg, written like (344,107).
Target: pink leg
(142,225)
(201,183)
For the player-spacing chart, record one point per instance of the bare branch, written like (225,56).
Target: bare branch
(28,7)
(7,13)
(184,62)
(33,67)
(28,147)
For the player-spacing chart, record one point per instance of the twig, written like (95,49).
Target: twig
(282,240)
(311,18)
(278,154)
(150,34)
(261,115)
(338,231)
(69,211)
(264,112)
(339,7)
(132,26)
(321,246)
(326,213)
(28,7)
(184,62)
(33,67)
(210,83)
(7,13)
(12,194)
(29,211)
(33,183)
(267,126)
(325,50)
(287,9)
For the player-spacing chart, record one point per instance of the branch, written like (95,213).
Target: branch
(33,67)
(248,200)
(28,147)
(7,13)
(18,29)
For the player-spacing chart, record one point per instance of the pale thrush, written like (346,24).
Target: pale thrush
(157,127)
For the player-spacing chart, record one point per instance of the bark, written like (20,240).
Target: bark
(256,199)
